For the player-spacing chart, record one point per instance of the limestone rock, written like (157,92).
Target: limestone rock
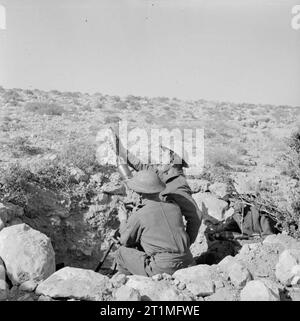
(238,274)
(226,262)
(45,298)
(125,293)
(27,254)
(243,186)
(286,266)
(28,286)
(211,206)
(219,189)
(229,213)
(118,280)
(223,294)
(198,185)
(157,277)
(156,290)
(258,290)
(198,279)
(287,242)
(75,283)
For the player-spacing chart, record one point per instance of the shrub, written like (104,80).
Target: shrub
(44,108)
(79,153)
(12,97)
(120,105)
(111,119)
(53,175)
(21,146)
(222,157)
(291,220)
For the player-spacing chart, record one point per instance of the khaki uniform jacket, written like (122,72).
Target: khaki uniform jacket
(158,228)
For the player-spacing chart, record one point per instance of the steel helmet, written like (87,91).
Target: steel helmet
(146,181)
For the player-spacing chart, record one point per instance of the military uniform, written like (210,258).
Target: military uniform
(177,190)
(154,240)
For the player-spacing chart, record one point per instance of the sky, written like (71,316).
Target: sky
(226,50)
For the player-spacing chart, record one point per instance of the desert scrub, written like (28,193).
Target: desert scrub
(120,105)
(80,153)
(51,175)
(222,157)
(12,97)
(44,108)
(290,220)
(12,180)
(21,146)
(111,119)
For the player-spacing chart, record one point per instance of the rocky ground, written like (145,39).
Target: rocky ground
(58,204)
(267,270)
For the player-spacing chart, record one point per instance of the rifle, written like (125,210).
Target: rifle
(125,173)
(114,240)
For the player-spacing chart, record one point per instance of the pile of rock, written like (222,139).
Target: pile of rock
(266,270)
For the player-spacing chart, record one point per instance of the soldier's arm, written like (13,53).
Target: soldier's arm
(132,160)
(130,231)
(190,211)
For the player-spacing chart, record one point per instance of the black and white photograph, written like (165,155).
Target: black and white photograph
(149,151)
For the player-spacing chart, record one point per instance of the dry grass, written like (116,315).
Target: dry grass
(44,108)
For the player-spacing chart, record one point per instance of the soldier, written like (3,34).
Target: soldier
(153,239)
(177,188)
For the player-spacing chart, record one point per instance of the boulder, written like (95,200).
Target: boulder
(45,298)
(27,254)
(260,259)
(229,213)
(157,277)
(28,286)
(219,189)
(226,263)
(237,273)
(118,280)
(286,268)
(211,207)
(125,293)
(198,185)
(286,241)
(258,290)
(75,283)
(198,279)
(223,294)
(156,290)
(244,186)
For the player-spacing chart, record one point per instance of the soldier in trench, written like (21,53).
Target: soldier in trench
(176,187)
(153,239)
